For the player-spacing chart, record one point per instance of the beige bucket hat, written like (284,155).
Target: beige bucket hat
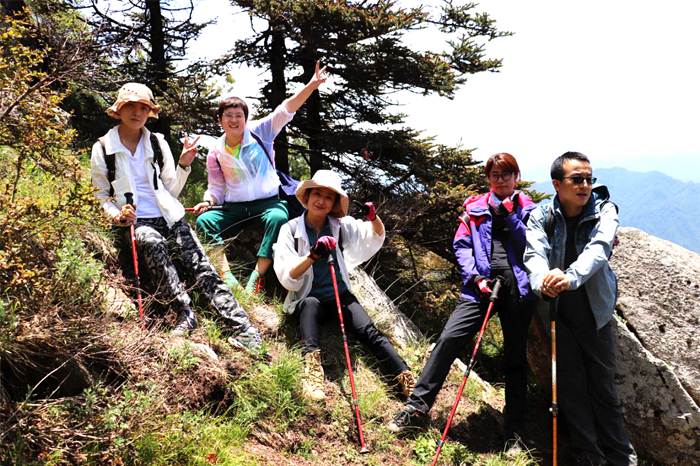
(325,179)
(134,92)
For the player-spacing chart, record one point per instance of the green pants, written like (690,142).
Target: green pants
(270,213)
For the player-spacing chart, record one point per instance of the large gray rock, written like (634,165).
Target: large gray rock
(658,338)
(659,299)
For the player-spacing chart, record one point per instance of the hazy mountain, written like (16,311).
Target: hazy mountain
(654,202)
(683,167)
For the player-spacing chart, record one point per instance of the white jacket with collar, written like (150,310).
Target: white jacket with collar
(360,243)
(171,179)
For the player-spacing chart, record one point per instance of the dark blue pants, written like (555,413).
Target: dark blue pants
(587,394)
(463,324)
(313,313)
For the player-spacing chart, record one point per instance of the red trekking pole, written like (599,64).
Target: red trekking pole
(364,449)
(132,232)
(492,299)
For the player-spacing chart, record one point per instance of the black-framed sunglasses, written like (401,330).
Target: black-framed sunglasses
(580,179)
(504,176)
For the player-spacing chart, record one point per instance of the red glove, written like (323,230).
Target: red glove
(369,211)
(323,246)
(508,205)
(483,288)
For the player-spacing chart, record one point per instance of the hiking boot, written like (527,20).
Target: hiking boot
(407,382)
(407,417)
(256,283)
(313,377)
(186,322)
(230,280)
(249,340)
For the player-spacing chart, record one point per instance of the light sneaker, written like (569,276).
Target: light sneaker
(407,382)
(249,340)
(313,377)
(407,417)
(186,323)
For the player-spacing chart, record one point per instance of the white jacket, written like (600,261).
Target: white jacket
(360,243)
(171,180)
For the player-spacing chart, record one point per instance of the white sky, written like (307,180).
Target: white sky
(612,79)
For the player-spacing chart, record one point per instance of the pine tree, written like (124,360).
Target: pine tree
(147,41)
(350,127)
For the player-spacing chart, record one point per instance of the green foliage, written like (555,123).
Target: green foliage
(182,357)
(456,454)
(77,272)
(193,439)
(270,392)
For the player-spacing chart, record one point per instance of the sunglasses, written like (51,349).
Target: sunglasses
(580,179)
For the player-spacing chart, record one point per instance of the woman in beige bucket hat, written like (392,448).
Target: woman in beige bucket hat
(301,266)
(160,229)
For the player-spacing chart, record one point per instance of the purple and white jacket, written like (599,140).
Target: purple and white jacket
(472,243)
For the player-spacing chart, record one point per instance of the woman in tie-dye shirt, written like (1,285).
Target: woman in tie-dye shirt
(243,179)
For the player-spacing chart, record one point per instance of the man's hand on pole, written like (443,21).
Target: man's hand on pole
(554,282)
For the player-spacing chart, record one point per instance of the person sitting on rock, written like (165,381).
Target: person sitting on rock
(242,177)
(142,167)
(301,264)
(567,257)
(489,243)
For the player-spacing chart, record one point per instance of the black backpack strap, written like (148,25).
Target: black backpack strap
(259,141)
(158,155)
(549,223)
(464,219)
(111,166)
(293,223)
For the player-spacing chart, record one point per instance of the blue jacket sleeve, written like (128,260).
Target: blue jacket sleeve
(464,252)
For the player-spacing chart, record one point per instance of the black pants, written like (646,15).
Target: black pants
(464,323)
(587,394)
(312,313)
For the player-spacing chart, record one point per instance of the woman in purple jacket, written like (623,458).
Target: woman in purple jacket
(489,242)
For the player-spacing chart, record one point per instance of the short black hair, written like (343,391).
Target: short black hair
(557,170)
(233,102)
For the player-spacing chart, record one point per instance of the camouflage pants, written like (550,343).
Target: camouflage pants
(159,246)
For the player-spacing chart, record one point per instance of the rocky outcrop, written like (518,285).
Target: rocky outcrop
(659,299)
(658,338)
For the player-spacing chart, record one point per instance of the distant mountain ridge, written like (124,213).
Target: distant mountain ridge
(653,202)
(683,167)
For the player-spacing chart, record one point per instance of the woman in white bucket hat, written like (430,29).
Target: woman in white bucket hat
(131,162)
(300,262)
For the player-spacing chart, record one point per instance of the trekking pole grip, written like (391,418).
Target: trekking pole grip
(496,288)
(331,261)
(129,198)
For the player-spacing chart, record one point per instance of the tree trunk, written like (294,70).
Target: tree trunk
(159,66)
(278,92)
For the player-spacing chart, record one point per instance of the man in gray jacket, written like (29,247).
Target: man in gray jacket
(568,245)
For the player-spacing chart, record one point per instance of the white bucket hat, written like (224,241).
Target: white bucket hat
(134,92)
(325,179)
